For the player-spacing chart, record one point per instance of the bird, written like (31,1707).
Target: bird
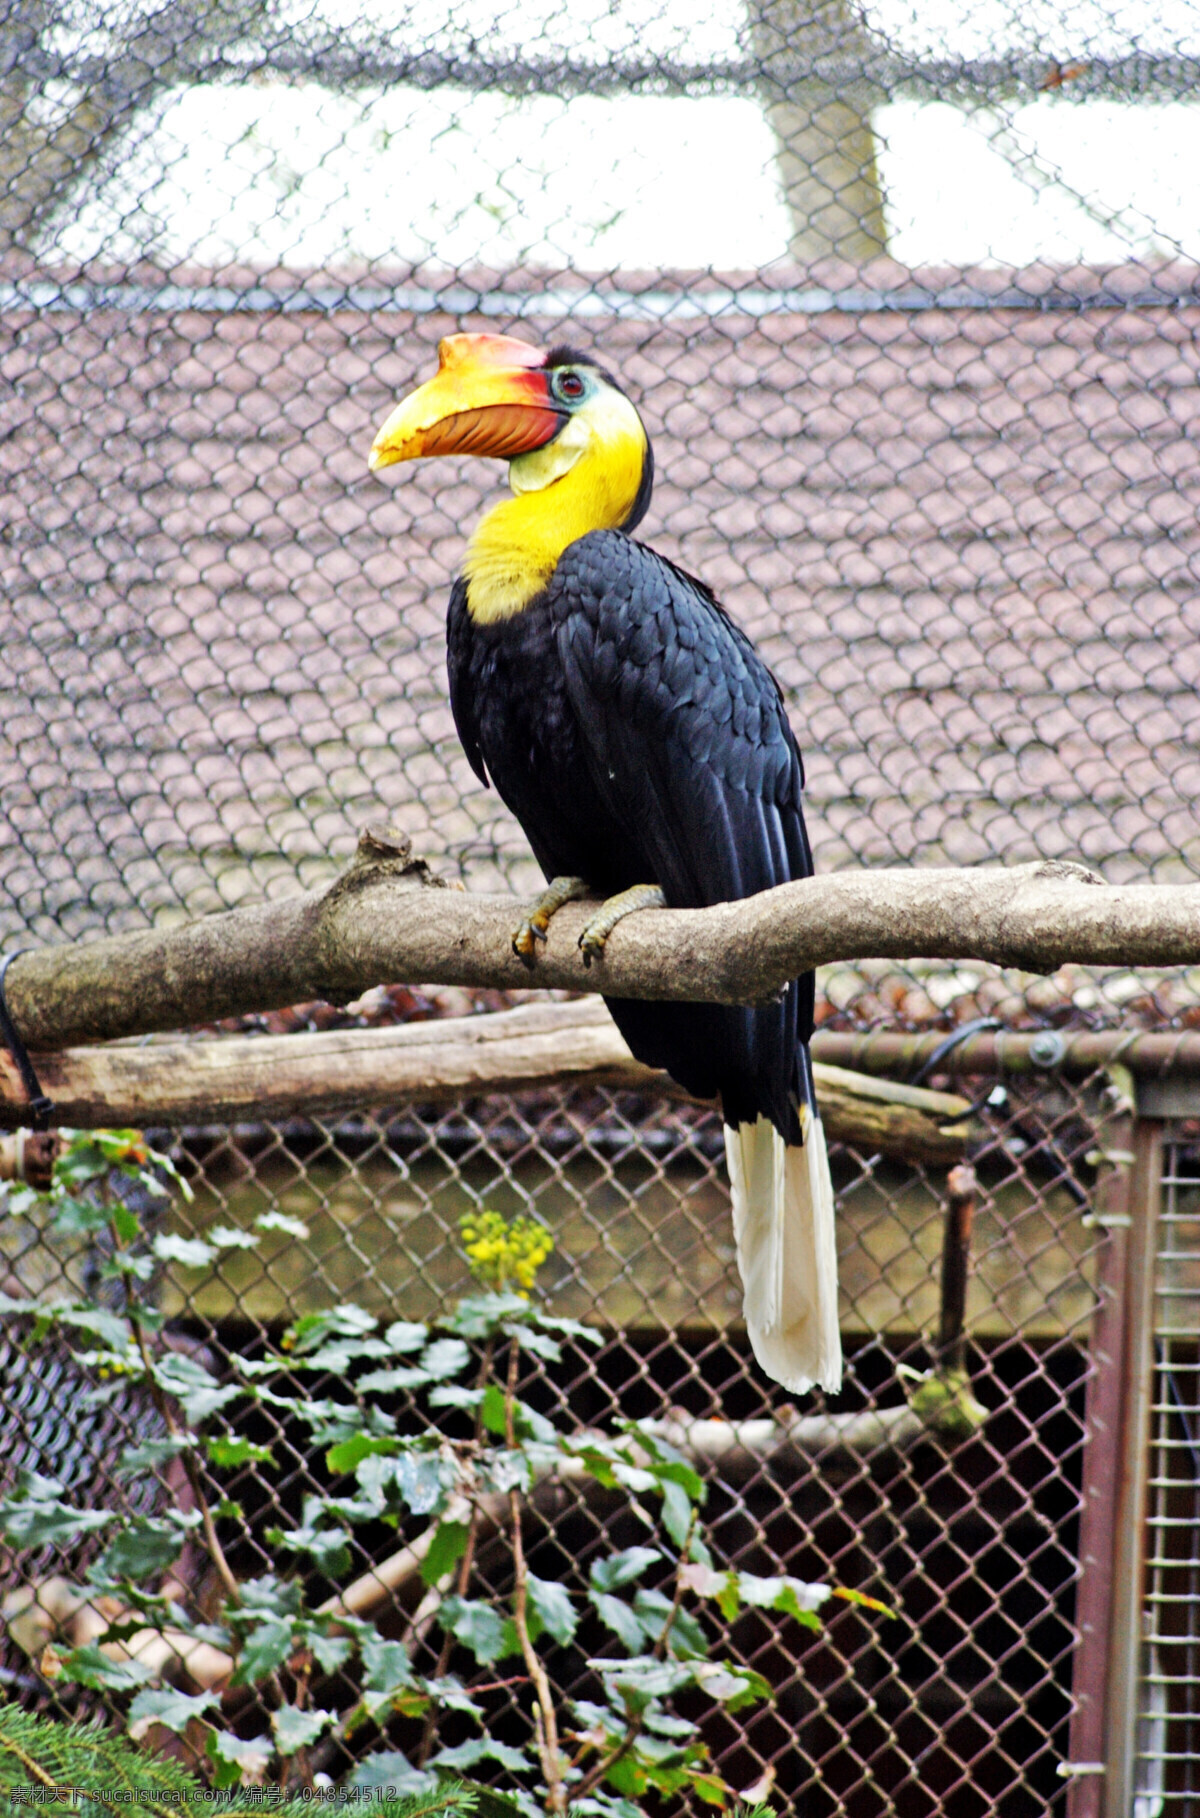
(645,749)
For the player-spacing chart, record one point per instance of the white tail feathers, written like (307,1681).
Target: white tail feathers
(784,1230)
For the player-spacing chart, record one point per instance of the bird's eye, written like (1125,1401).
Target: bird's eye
(569,385)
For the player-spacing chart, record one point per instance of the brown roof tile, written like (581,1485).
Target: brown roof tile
(966,539)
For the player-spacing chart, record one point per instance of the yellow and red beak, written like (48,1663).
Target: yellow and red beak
(490,396)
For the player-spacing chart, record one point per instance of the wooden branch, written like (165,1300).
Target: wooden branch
(27,1156)
(275,1076)
(377,924)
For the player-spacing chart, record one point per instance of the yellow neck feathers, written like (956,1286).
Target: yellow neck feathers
(587,478)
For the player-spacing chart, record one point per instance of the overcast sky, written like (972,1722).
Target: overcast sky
(293,175)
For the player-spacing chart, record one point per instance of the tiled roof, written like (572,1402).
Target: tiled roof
(966,539)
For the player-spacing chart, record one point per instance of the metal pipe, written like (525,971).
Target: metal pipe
(1129,1541)
(956,1267)
(1070,1054)
(1085,1766)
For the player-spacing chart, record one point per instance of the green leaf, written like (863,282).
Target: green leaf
(197,1392)
(865,1602)
(229,1237)
(468,1754)
(569,1328)
(115,1145)
(447,1547)
(404,1335)
(491,1410)
(279,1221)
(422,1480)
(455,1395)
(621,1568)
(449,1694)
(227,1450)
(388,1769)
(501,1470)
(482,1629)
(789,1596)
(387,1665)
(619,1616)
(676,1512)
(125,1266)
(151,1452)
(634,1477)
(89,1666)
(125,1223)
(173,1710)
(666,1462)
(643,1678)
(295,1729)
(393,1381)
(488,1803)
(627,1775)
(272,1595)
(192,1252)
(527,1422)
(539,1344)
(266,1647)
(109,1328)
(479,1316)
(310,1332)
(232,1757)
(78,1217)
(329,1651)
(84,1161)
(729,1684)
(445,1357)
(326,1545)
(36,1516)
(348,1454)
(553,1606)
(686,1638)
(142,1548)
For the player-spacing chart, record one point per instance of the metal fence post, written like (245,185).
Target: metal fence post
(1098,1491)
(1129,1537)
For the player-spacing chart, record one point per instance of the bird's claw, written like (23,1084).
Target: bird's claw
(598,927)
(534,928)
(591,944)
(527,936)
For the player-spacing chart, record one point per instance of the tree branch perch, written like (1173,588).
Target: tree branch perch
(381,923)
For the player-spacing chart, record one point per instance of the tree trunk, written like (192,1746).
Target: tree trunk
(61,111)
(826,145)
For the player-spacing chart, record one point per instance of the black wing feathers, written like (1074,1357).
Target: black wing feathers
(690,748)
(462,696)
(683,723)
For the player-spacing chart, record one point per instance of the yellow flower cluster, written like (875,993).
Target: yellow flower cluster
(504,1253)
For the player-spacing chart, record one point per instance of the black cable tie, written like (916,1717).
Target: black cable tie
(943,1048)
(41,1108)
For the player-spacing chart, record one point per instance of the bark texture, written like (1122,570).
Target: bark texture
(239,1077)
(382,922)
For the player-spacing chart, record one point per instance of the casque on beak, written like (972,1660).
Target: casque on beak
(489,397)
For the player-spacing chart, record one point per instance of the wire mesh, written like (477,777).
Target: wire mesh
(967,1694)
(946,482)
(1168,1736)
(909,306)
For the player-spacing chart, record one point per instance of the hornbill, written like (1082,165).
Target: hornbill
(644,747)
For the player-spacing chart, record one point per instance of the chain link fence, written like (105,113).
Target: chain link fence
(967,1692)
(910,310)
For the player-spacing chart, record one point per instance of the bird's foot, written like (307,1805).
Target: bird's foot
(533,929)
(599,926)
